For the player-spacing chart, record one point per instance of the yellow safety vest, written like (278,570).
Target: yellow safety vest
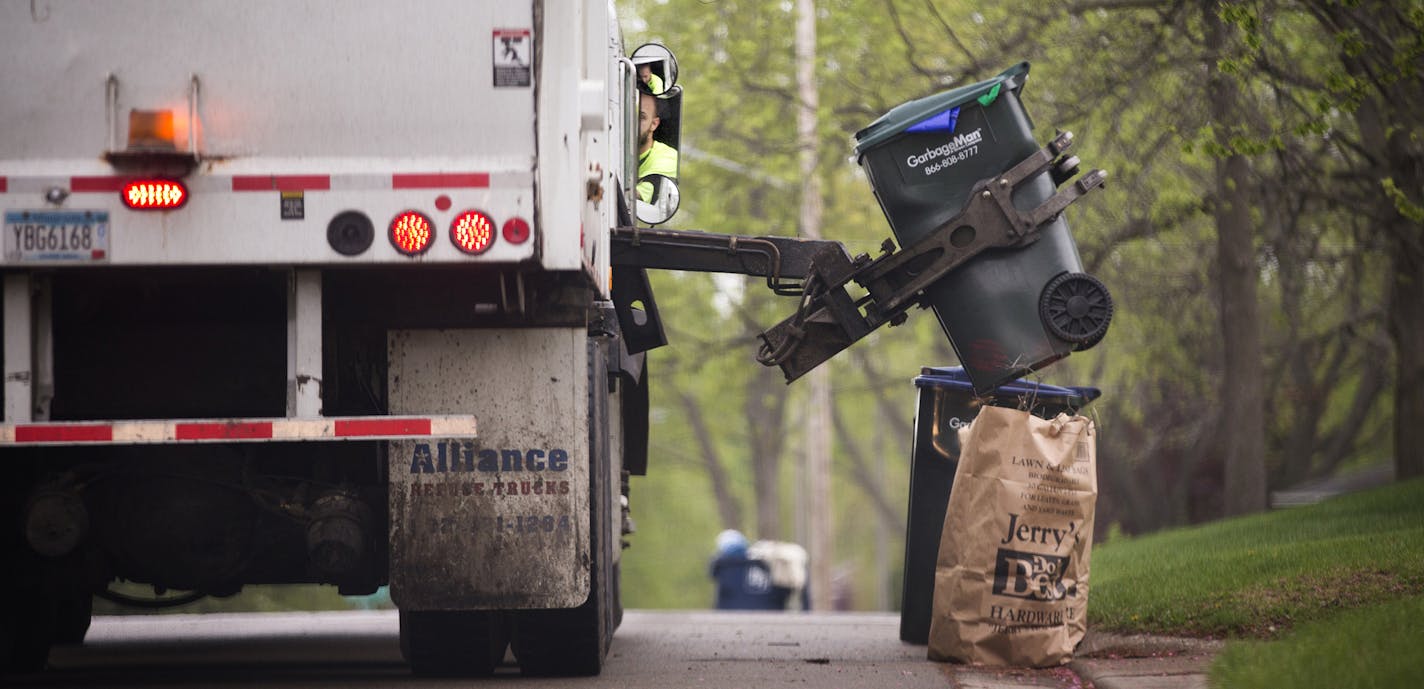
(660,159)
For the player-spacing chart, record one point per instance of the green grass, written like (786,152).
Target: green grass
(1330,595)
(1371,647)
(1262,575)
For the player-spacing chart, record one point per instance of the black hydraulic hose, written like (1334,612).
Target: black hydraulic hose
(769,357)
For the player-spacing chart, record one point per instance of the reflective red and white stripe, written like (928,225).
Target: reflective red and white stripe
(236,430)
(93,184)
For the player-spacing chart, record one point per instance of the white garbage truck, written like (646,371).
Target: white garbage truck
(317,292)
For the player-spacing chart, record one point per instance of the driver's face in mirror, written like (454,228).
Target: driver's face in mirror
(656,66)
(653,81)
(648,120)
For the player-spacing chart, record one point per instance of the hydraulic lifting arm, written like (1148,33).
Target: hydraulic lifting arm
(828,319)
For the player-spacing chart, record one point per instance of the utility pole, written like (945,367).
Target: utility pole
(816,467)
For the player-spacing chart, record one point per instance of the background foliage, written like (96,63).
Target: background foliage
(1305,98)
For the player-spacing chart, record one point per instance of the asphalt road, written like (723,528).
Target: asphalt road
(651,649)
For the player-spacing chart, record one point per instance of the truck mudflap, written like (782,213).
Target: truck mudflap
(502,521)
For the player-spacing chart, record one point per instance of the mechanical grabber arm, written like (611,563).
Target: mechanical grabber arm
(828,318)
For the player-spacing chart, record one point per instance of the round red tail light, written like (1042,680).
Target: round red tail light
(516,230)
(472,232)
(154,194)
(410,233)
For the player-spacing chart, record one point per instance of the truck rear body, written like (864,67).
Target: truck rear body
(387,268)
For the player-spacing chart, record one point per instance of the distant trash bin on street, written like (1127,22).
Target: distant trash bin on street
(947,403)
(766,575)
(1006,311)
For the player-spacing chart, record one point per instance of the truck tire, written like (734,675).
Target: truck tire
(574,642)
(453,643)
(565,643)
(28,617)
(33,612)
(73,617)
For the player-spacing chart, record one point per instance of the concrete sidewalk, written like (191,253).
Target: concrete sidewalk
(1112,661)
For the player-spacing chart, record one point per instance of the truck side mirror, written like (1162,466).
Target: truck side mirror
(657,67)
(665,200)
(659,167)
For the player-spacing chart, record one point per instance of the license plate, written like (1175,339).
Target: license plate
(75,235)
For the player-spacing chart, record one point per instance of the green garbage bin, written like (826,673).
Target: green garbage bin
(1007,311)
(947,402)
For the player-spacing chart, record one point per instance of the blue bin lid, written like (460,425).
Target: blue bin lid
(956,377)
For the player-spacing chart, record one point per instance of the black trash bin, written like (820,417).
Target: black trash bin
(947,403)
(1007,311)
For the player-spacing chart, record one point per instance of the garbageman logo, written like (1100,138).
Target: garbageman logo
(1032,576)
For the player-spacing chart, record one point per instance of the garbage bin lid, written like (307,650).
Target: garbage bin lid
(956,377)
(934,111)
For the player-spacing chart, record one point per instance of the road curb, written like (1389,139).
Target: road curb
(1143,661)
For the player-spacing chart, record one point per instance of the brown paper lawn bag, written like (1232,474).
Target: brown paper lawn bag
(1011,582)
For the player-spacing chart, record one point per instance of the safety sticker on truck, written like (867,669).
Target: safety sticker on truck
(294,205)
(513,57)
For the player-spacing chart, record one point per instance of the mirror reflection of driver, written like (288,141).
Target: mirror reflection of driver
(645,75)
(654,157)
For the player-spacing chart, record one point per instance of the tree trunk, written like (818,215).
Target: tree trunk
(897,416)
(728,508)
(867,478)
(1404,156)
(1242,434)
(765,414)
(1406,328)
(818,432)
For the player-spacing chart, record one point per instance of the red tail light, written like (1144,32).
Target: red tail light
(472,232)
(516,230)
(154,194)
(410,233)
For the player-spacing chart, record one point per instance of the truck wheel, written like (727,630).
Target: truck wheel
(570,642)
(574,642)
(41,608)
(73,616)
(26,631)
(453,643)
(565,643)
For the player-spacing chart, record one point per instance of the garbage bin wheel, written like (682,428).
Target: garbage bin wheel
(1076,307)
